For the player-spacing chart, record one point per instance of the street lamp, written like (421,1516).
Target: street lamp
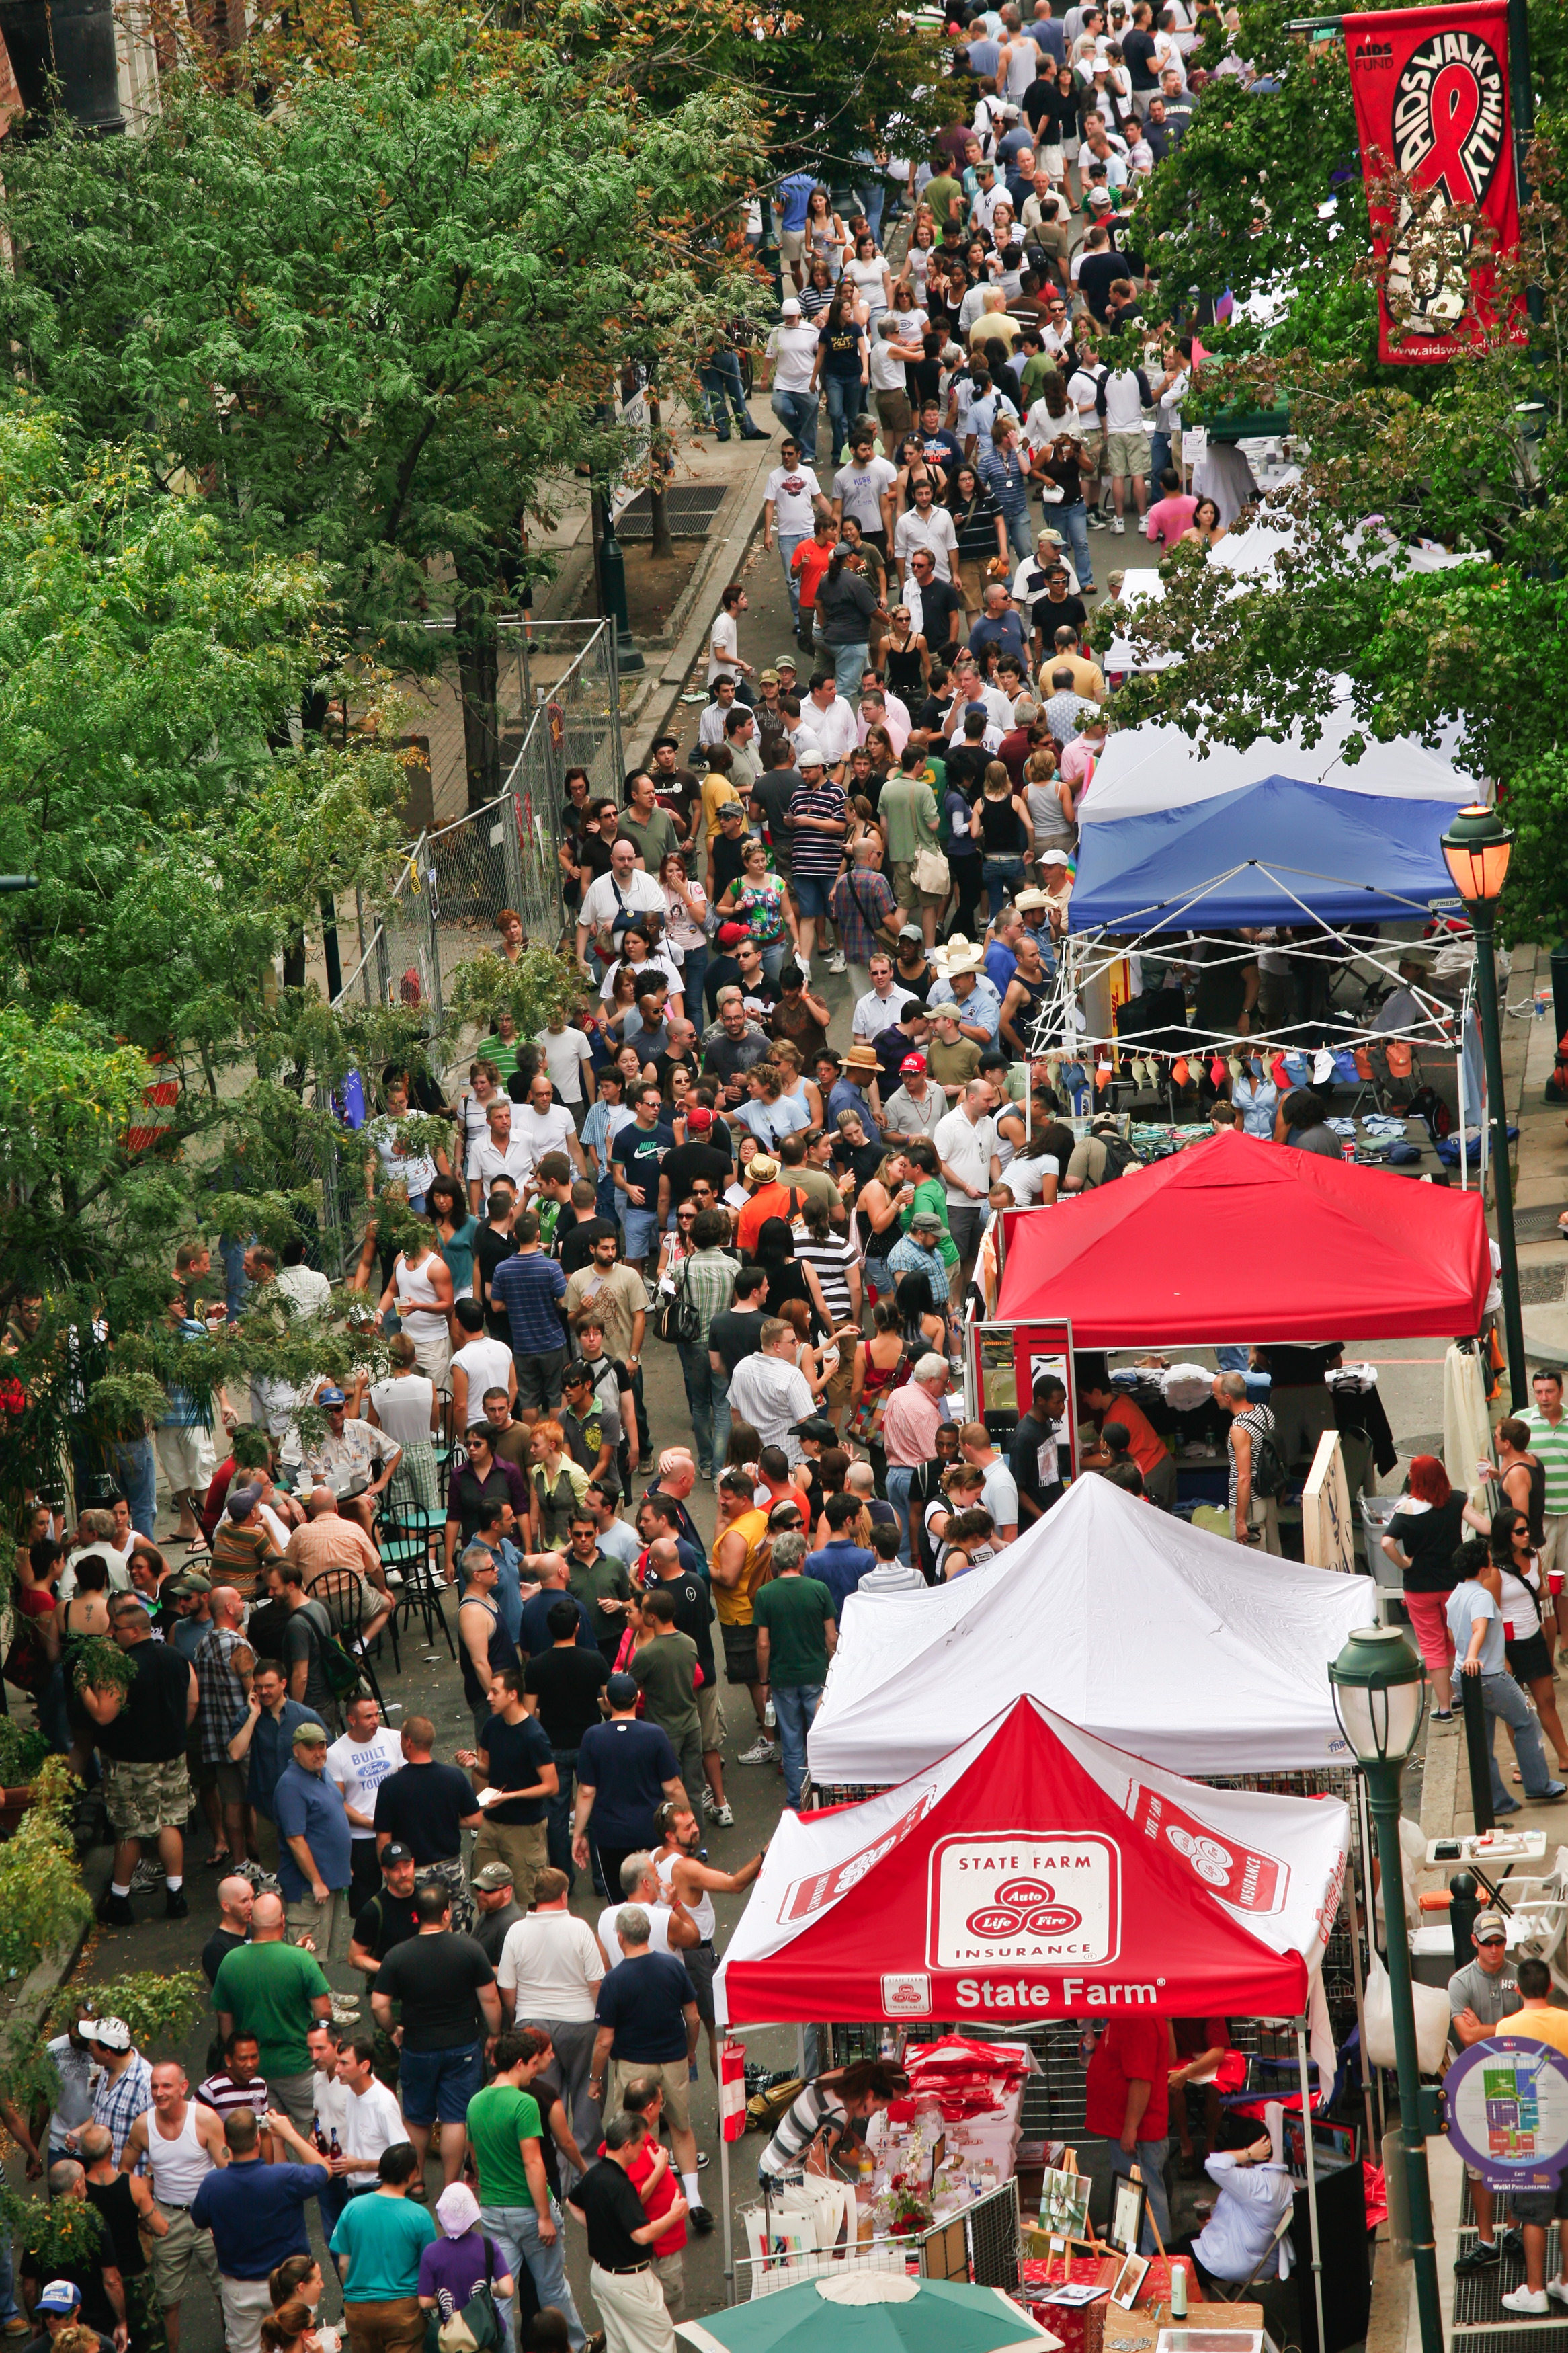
(1380,1692)
(1477,849)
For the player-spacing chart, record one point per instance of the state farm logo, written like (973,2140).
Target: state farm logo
(1026,1907)
(906,1994)
(1033,1899)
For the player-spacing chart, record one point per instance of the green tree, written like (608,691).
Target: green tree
(382,316)
(181,843)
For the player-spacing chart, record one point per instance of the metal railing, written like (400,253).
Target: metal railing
(454,882)
(980,2243)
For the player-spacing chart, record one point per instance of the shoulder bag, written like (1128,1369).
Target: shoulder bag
(677,1320)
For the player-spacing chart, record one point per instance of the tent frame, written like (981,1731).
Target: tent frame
(1062,1027)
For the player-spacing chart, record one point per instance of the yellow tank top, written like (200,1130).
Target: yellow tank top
(734,1602)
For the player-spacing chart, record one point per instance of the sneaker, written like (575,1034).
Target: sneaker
(1479,2258)
(1526,2299)
(701,2222)
(703,2160)
(761,1751)
(174,1905)
(706,1792)
(344,2008)
(1443,1715)
(147,1875)
(1118,526)
(836,961)
(1558,2290)
(115,1911)
(1095,519)
(723,1817)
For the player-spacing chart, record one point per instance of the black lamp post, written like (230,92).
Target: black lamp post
(1476,848)
(1380,1692)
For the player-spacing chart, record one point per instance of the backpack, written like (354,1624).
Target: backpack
(1429,1107)
(479,2325)
(1119,1158)
(1268,1466)
(342,1674)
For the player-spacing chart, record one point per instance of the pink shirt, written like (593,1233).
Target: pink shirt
(1078,761)
(909,1427)
(1169,518)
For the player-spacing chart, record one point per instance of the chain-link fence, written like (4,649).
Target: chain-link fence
(442,908)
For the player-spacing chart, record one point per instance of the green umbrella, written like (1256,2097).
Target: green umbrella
(857,2310)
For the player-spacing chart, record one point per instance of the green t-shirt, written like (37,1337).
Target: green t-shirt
(794,1609)
(942,192)
(269,1989)
(504,1057)
(1036,371)
(664,1669)
(603,1579)
(384,2239)
(498,2119)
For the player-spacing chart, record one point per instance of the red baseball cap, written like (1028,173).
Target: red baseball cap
(731,935)
(700,1119)
(912,1063)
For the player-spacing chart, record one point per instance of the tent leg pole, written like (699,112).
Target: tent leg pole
(724,2209)
(1372,2138)
(1311,2182)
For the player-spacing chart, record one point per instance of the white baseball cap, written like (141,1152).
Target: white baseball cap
(789,308)
(809,753)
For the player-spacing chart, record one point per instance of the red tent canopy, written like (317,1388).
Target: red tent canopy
(1035,1869)
(1238,1236)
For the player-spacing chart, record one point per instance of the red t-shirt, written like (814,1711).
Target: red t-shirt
(811,560)
(1195,2034)
(662,2199)
(1130,2049)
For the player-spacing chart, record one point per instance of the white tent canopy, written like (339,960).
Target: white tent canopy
(1152,767)
(1171,1643)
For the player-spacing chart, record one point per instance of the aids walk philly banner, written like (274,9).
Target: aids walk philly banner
(1430,87)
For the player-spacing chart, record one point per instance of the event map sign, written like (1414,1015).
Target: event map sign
(1508,2111)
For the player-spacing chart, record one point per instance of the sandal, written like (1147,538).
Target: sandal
(218,1859)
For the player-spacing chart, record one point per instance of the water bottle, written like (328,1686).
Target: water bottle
(1178,2291)
(1542,999)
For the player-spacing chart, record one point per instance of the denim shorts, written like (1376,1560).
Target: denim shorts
(641,1231)
(435,2086)
(811,892)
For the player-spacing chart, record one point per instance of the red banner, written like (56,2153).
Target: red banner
(1431,94)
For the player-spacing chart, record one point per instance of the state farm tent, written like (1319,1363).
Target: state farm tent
(1035,1870)
(1119,1618)
(1234,1235)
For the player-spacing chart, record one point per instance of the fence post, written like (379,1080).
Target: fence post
(615,745)
(509,816)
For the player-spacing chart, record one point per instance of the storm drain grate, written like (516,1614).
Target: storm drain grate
(691,513)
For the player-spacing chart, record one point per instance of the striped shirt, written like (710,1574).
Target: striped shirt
(1552,1445)
(798,2127)
(1259,1419)
(116,2106)
(221,1691)
(813,852)
(833,1260)
(222,2093)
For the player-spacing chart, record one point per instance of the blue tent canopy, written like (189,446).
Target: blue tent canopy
(1256,856)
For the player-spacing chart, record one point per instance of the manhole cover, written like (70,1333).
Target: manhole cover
(1542,1286)
(1537,1225)
(691,511)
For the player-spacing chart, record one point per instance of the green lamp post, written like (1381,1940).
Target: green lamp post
(1477,849)
(1380,1694)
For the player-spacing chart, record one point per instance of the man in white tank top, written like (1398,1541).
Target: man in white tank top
(691,1884)
(181,2141)
(671,1929)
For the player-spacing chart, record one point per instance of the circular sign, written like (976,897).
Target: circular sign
(1508,2111)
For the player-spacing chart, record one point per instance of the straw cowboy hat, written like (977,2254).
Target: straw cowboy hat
(958,955)
(861,1058)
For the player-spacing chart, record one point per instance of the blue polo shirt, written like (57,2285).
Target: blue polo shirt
(308,1806)
(535,1635)
(256,2213)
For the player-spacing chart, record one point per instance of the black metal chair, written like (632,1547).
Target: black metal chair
(407,1549)
(341,1592)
